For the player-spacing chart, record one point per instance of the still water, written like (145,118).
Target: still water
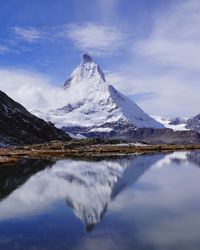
(134,202)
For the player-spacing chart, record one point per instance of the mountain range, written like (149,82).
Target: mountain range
(179,123)
(94,108)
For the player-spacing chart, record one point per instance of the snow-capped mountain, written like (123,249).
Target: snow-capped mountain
(194,123)
(177,123)
(93,105)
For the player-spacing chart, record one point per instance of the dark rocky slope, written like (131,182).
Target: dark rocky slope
(19,127)
(194,123)
(166,136)
(151,136)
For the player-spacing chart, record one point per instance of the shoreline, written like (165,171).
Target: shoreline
(61,150)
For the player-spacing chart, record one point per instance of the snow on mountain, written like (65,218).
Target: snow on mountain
(173,123)
(93,104)
(194,123)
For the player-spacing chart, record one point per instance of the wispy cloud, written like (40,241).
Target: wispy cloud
(171,91)
(166,63)
(175,37)
(28,34)
(4,49)
(94,38)
(91,37)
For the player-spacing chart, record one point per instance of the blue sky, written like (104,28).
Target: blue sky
(148,49)
(58,55)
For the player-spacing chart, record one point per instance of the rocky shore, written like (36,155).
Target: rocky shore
(83,148)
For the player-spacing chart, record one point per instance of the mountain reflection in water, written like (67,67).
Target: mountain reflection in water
(90,189)
(87,186)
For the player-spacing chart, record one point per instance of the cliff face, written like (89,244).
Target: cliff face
(152,136)
(194,123)
(18,126)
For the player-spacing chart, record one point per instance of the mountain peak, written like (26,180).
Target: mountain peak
(86,58)
(94,106)
(87,70)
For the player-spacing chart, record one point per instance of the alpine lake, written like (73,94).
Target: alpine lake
(139,201)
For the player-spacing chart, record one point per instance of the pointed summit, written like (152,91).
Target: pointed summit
(86,58)
(88,71)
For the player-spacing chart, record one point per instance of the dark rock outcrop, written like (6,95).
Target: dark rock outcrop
(194,123)
(165,136)
(19,127)
(150,135)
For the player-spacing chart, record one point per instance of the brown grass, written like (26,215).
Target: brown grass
(82,148)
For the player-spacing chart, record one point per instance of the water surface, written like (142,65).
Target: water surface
(133,202)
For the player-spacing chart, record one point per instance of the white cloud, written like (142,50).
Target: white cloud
(28,34)
(166,63)
(32,90)
(94,38)
(175,37)
(4,49)
(171,92)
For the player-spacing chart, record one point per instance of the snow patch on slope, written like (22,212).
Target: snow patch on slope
(173,123)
